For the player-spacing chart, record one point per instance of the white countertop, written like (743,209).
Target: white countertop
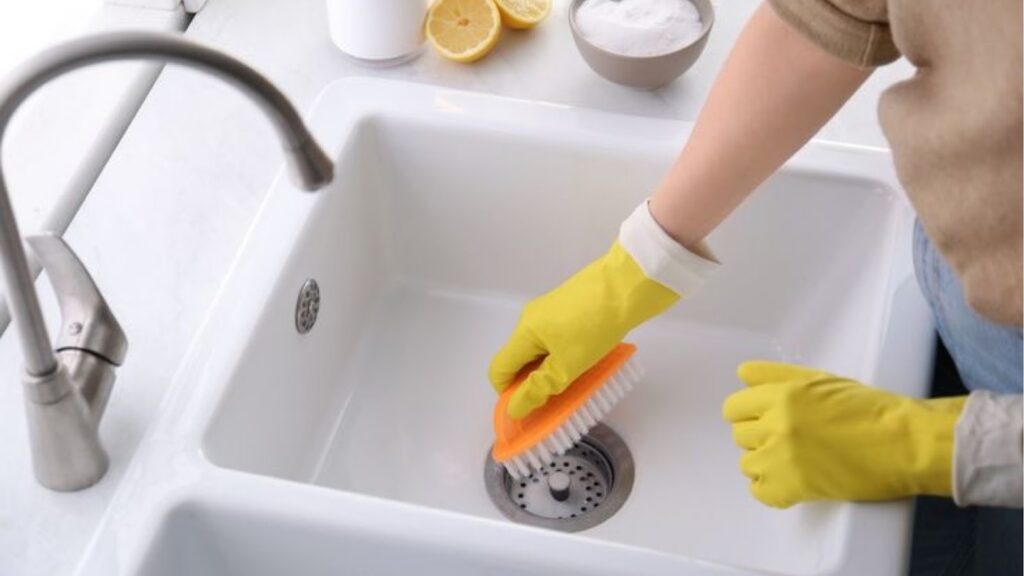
(167,215)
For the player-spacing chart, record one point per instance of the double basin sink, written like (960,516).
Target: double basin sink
(358,447)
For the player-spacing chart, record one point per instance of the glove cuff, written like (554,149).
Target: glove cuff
(932,464)
(661,258)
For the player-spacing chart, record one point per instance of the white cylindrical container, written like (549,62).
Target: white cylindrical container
(378,32)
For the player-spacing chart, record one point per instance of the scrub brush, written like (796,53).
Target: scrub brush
(559,424)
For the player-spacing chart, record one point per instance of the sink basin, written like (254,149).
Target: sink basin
(215,535)
(364,439)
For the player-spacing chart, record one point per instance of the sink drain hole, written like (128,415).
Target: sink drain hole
(576,491)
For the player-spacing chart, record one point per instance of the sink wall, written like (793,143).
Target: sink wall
(209,539)
(442,225)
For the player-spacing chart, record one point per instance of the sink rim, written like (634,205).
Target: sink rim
(170,468)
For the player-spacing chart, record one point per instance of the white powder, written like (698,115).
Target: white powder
(639,27)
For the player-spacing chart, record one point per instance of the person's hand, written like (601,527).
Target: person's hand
(576,324)
(810,435)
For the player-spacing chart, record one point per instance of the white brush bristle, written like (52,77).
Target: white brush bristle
(576,426)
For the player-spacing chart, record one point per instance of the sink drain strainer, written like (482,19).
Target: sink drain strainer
(578,490)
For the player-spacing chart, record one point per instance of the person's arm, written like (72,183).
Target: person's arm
(776,90)
(773,94)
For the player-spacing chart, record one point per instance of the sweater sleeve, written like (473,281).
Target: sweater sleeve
(988,453)
(856,31)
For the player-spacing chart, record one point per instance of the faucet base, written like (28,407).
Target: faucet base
(66,450)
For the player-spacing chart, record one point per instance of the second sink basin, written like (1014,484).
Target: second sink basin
(449,212)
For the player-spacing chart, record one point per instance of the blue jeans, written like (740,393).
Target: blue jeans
(988,356)
(951,541)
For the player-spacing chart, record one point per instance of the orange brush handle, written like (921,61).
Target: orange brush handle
(514,437)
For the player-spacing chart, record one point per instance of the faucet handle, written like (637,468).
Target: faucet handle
(87,323)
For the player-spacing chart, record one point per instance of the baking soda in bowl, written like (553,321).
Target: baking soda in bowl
(639,27)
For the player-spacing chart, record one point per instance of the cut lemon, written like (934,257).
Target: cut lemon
(463,30)
(523,13)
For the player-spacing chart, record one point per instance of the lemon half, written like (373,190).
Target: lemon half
(523,13)
(463,30)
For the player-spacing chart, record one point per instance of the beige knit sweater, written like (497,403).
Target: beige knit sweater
(954,127)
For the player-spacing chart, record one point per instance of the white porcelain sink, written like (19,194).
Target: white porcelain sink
(360,446)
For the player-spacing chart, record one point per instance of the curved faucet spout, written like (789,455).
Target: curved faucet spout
(45,381)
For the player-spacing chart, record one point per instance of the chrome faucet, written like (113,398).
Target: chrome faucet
(67,385)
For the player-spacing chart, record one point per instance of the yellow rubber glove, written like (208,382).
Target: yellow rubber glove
(576,324)
(810,435)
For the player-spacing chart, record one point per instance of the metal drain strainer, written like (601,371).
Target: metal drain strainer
(579,490)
